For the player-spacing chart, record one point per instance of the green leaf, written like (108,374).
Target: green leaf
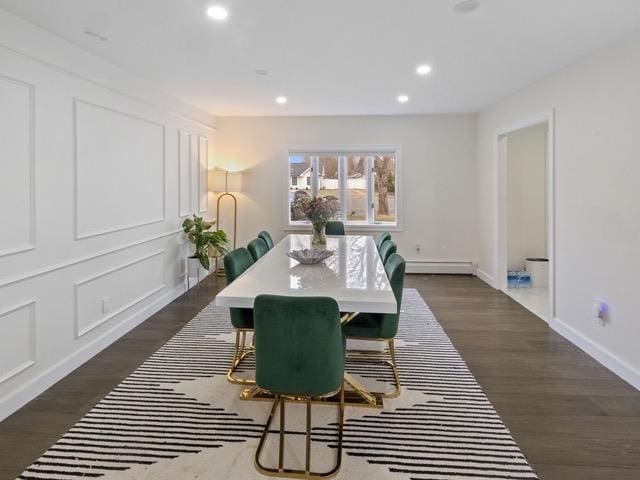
(204,261)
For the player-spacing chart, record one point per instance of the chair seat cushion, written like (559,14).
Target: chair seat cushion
(242,317)
(365,325)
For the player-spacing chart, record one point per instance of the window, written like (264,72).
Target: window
(364,183)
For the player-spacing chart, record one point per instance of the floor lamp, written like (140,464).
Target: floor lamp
(227,183)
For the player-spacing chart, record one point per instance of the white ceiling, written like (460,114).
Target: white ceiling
(337,56)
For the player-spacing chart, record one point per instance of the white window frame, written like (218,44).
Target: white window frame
(369,152)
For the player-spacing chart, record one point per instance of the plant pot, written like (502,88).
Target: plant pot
(194,268)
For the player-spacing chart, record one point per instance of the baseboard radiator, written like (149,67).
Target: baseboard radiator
(441,267)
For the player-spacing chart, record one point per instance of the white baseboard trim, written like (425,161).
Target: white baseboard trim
(618,366)
(486,278)
(18,398)
(429,266)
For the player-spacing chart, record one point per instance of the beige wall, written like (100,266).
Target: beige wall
(437,173)
(597,107)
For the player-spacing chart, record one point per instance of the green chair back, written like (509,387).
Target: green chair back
(299,345)
(257,248)
(334,228)
(264,235)
(395,268)
(379,325)
(387,249)
(235,264)
(383,237)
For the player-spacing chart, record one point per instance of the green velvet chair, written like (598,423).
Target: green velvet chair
(264,235)
(334,228)
(381,327)
(300,356)
(257,248)
(383,237)
(235,264)
(387,249)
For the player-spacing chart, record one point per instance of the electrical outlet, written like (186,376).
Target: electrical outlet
(418,248)
(600,311)
(106,305)
(443,251)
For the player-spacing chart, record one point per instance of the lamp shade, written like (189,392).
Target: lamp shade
(224,181)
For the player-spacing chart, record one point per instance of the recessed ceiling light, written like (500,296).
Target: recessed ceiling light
(281,100)
(466,6)
(423,69)
(403,98)
(217,12)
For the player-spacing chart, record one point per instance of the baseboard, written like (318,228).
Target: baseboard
(427,266)
(486,278)
(618,366)
(55,373)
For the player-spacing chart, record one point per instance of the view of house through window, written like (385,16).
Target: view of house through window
(365,184)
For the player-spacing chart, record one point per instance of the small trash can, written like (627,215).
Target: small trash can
(538,269)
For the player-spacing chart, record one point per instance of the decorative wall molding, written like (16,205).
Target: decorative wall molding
(92,81)
(609,360)
(82,236)
(31,304)
(32,168)
(203,165)
(87,258)
(83,331)
(184,141)
(26,392)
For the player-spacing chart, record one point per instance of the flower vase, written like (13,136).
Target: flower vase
(319,237)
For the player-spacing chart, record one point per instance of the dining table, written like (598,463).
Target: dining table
(354,275)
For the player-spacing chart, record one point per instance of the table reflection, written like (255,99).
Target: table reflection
(354,265)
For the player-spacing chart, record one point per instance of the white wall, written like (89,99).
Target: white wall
(597,107)
(437,174)
(97,171)
(526,164)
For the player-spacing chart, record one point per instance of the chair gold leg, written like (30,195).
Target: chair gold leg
(281,445)
(239,354)
(307,460)
(281,471)
(379,357)
(396,373)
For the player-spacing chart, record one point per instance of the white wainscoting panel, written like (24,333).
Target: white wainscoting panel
(17,339)
(100,251)
(184,173)
(17,206)
(203,167)
(106,295)
(120,170)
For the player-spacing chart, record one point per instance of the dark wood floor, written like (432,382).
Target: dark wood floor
(571,417)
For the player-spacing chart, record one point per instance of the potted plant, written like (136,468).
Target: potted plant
(318,210)
(208,243)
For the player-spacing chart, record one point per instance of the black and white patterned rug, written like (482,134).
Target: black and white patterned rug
(176,417)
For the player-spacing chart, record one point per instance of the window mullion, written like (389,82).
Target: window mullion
(342,186)
(315,165)
(370,192)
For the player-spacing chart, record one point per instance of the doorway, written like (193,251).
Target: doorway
(525,206)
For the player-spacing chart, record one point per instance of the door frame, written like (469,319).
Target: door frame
(501,264)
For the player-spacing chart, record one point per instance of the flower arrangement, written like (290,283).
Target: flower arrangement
(318,210)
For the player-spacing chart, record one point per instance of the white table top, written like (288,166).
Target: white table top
(354,276)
